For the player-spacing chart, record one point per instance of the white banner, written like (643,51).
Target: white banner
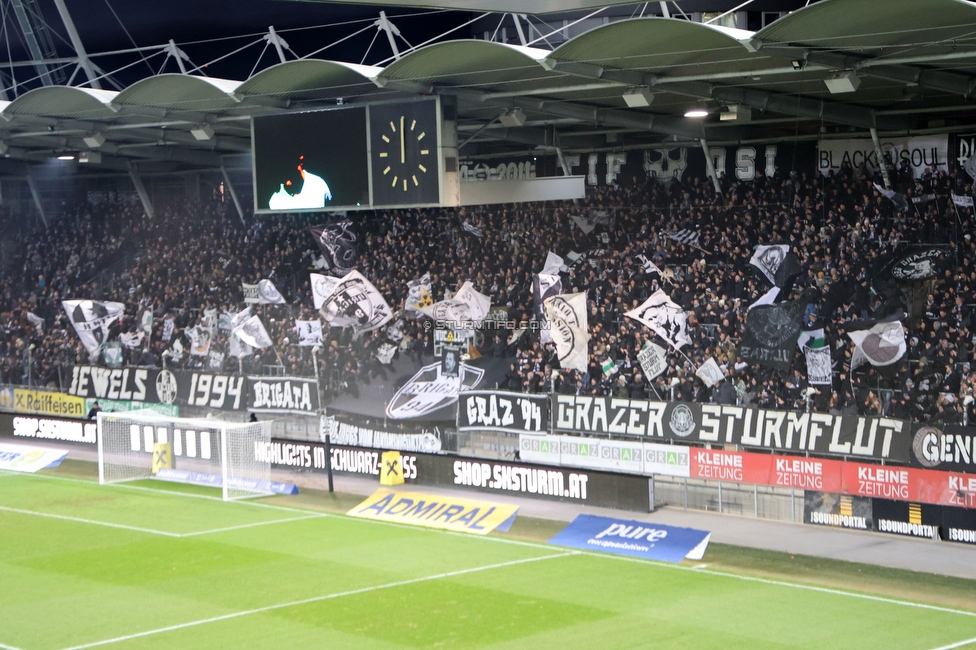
(646,458)
(920,152)
(251,295)
(818,365)
(309,332)
(21,458)
(709,372)
(653,361)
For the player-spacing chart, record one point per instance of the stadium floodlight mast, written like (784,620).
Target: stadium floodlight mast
(203,450)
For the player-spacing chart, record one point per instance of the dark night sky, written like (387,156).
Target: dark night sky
(154,23)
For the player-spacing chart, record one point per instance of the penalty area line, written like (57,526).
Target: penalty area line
(259,523)
(958,644)
(89,521)
(315,599)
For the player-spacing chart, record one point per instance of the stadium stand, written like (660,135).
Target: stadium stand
(191,259)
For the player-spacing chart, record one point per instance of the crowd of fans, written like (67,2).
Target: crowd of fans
(191,259)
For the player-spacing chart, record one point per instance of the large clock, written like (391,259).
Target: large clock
(404,153)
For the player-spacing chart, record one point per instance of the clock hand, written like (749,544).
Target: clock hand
(403,153)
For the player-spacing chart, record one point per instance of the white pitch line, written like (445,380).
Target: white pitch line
(7,647)
(315,599)
(502,540)
(90,521)
(152,531)
(783,583)
(259,523)
(958,644)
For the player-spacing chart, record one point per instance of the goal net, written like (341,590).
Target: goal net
(203,451)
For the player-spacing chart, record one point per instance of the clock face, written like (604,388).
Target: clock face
(404,153)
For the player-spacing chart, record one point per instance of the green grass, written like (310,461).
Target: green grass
(290,573)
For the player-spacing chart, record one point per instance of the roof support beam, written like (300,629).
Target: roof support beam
(141,191)
(83,61)
(35,195)
(233,193)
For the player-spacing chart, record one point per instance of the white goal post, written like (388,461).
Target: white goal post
(203,450)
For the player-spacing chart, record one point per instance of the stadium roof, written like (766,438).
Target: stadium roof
(841,66)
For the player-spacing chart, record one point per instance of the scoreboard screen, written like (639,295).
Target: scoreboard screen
(374,155)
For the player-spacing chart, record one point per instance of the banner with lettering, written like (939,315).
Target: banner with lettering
(820,433)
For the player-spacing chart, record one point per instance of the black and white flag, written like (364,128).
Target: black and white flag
(710,372)
(882,344)
(322,287)
(649,266)
(472,229)
(309,332)
(566,315)
(464,311)
(199,337)
(168,326)
(268,294)
(338,243)
(818,365)
(962,201)
(251,296)
(771,333)
(653,360)
(544,285)
(36,321)
(384,353)
(132,340)
(665,317)
(686,236)
(419,294)
(918,265)
(252,332)
(553,265)
(922,199)
(92,319)
(216,360)
(769,258)
(356,303)
(895,197)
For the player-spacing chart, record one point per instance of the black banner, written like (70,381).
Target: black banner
(515,412)
(958,525)
(32,427)
(591,488)
(579,486)
(283,395)
(771,333)
(818,433)
(838,510)
(951,447)
(906,518)
(226,392)
(353,432)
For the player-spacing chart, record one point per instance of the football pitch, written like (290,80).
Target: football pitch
(149,565)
